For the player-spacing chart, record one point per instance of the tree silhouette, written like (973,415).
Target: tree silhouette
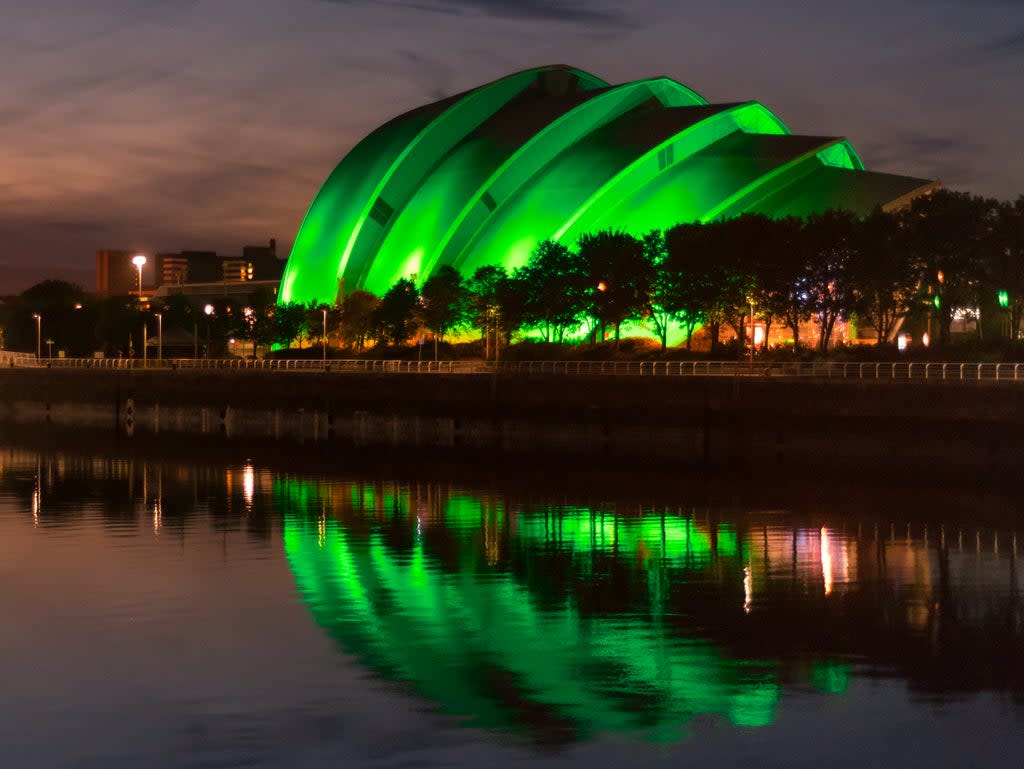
(827,243)
(357,318)
(445,301)
(883,274)
(951,234)
(395,319)
(556,289)
(620,278)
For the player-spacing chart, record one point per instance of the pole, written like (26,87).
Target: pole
(325,336)
(160,336)
(751,333)
(39,335)
(195,340)
(145,352)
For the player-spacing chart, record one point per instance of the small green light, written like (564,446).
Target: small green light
(1004,299)
(937,301)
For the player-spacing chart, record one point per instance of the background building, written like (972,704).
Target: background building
(197,274)
(115,273)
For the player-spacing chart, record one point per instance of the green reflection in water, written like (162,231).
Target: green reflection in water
(468,630)
(831,677)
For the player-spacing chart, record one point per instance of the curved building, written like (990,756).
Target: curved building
(552,153)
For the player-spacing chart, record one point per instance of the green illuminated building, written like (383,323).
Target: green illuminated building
(552,153)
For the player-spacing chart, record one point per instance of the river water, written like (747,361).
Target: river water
(176,613)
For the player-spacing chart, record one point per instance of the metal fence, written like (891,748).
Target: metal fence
(891,372)
(240,364)
(17,359)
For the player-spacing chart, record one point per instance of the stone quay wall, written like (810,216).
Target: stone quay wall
(692,420)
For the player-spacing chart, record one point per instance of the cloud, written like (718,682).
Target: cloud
(1004,45)
(434,76)
(532,10)
(953,159)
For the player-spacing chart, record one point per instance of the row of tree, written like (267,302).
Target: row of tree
(946,255)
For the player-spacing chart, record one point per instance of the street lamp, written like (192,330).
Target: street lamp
(249,314)
(138,260)
(159,336)
(208,310)
(325,336)
(752,340)
(39,334)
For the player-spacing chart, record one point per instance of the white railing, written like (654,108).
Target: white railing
(889,372)
(240,364)
(17,359)
(897,371)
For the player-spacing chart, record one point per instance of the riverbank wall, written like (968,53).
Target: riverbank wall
(718,420)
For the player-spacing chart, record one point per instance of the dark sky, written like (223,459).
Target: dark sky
(170,124)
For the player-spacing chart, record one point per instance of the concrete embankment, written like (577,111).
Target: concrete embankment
(692,420)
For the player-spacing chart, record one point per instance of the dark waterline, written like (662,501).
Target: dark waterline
(167,612)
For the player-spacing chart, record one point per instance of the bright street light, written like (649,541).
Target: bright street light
(39,334)
(208,309)
(138,260)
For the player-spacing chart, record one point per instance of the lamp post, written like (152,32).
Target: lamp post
(39,334)
(138,260)
(208,309)
(249,314)
(325,336)
(751,332)
(159,336)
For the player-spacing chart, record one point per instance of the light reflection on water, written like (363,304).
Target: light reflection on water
(242,616)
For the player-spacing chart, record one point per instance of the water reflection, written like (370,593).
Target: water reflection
(565,620)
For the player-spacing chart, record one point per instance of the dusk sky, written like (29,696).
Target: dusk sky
(174,124)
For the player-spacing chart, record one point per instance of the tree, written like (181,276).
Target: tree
(620,278)
(118,325)
(67,318)
(1005,264)
(717,278)
(827,252)
(510,295)
(556,289)
(395,319)
(747,246)
(661,297)
(259,319)
(779,285)
(497,303)
(684,278)
(951,234)
(316,322)
(285,323)
(445,301)
(357,318)
(882,273)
